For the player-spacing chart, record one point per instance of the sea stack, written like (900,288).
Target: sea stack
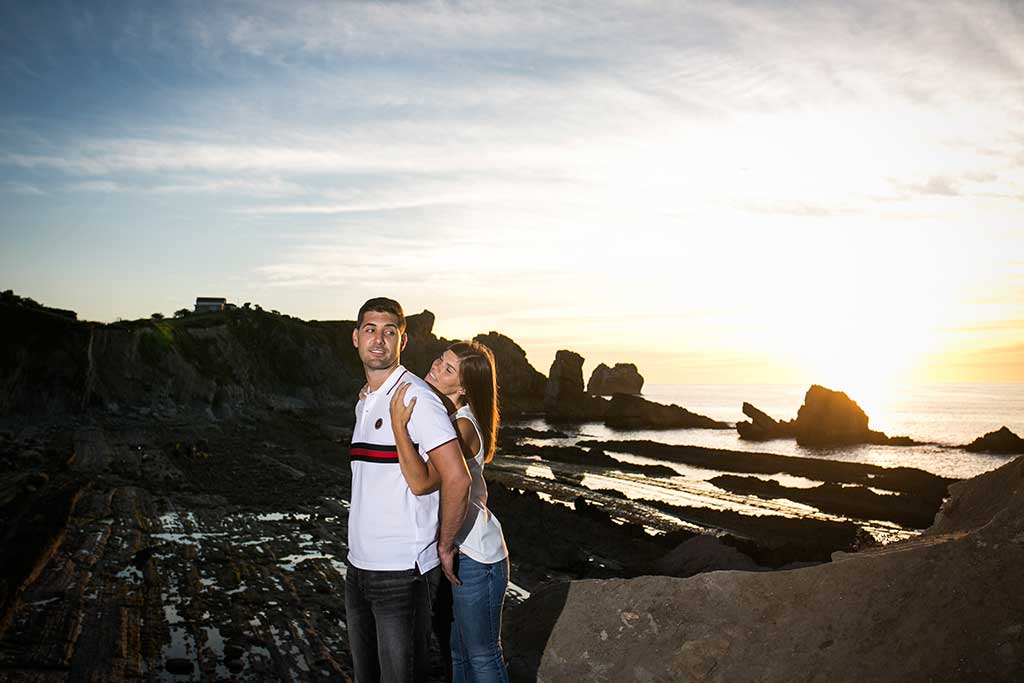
(564,398)
(623,378)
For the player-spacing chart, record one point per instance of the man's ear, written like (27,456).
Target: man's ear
(355,337)
(405,340)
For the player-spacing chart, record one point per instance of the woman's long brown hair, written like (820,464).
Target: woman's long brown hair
(478,378)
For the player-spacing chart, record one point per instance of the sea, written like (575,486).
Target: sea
(943,416)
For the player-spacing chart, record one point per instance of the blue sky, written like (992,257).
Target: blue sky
(749,191)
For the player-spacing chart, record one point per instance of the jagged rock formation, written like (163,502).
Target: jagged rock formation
(626,411)
(1000,441)
(564,398)
(423,347)
(826,418)
(623,378)
(762,426)
(945,606)
(520,386)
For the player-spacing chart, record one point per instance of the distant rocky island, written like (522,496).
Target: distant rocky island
(174,498)
(826,418)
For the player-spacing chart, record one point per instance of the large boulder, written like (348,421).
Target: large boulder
(826,418)
(623,378)
(703,553)
(565,379)
(564,398)
(626,411)
(999,441)
(944,606)
(831,418)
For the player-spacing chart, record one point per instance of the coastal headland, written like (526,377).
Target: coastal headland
(174,503)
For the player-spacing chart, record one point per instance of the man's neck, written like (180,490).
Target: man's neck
(375,378)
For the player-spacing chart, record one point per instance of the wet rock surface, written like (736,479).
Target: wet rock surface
(849,501)
(876,615)
(170,554)
(134,546)
(592,458)
(930,488)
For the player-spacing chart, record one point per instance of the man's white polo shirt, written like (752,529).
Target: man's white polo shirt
(390,527)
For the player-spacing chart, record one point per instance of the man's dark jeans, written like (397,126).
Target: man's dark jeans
(389,623)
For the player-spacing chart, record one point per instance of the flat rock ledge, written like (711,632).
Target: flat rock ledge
(944,606)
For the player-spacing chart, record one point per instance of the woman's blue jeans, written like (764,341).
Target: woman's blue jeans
(476,628)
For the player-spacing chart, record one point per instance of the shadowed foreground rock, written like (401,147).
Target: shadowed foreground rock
(945,606)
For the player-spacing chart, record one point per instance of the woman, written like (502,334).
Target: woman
(465,375)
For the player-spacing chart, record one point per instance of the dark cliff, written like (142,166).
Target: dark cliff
(218,365)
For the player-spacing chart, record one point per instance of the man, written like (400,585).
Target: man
(397,552)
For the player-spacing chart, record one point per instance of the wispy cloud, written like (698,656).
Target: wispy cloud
(937,185)
(96,186)
(794,208)
(15,187)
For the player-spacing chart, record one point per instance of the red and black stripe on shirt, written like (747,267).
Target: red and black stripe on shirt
(375,452)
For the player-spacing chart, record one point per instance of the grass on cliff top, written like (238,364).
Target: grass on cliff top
(284,345)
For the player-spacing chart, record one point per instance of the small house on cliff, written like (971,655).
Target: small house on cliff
(206,304)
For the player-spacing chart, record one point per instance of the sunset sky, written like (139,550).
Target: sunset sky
(718,192)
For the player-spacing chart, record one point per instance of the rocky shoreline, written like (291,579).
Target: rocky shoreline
(945,606)
(173,494)
(217,550)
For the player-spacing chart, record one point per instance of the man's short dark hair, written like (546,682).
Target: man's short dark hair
(382,304)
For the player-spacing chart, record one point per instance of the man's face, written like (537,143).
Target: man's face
(378,340)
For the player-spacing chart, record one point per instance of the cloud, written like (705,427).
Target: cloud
(96,186)
(980,176)
(937,185)
(793,208)
(15,187)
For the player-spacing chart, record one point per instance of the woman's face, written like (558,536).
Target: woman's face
(444,375)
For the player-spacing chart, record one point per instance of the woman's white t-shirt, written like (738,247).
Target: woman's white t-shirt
(480,536)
